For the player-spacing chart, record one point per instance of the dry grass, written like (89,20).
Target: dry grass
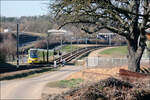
(96,73)
(108,89)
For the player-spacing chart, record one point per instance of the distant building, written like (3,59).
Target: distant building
(7,30)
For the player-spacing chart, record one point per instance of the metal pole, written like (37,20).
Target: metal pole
(71,46)
(77,44)
(110,40)
(47,47)
(53,54)
(86,42)
(149,56)
(61,48)
(96,40)
(17,45)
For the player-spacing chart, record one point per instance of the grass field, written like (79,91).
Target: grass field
(65,83)
(118,51)
(45,53)
(67,48)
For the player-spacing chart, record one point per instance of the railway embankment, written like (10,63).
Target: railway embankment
(25,73)
(28,70)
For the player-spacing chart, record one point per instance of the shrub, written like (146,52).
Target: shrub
(2,54)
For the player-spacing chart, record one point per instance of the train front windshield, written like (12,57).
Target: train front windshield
(33,53)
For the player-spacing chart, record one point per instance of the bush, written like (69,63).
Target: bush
(2,55)
(7,47)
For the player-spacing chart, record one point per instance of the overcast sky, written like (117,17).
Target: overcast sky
(17,8)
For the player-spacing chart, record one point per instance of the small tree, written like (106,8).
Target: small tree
(128,18)
(2,54)
(40,44)
(8,47)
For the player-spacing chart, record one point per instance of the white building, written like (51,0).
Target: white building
(7,30)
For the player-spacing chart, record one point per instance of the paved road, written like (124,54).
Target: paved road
(31,88)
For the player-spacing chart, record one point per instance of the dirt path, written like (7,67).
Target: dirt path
(31,88)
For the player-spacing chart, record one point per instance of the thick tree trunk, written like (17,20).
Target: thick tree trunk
(134,56)
(133,63)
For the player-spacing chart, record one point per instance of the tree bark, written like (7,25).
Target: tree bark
(134,55)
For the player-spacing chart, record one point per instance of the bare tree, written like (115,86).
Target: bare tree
(40,44)
(2,53)
(8,47)
(128,18)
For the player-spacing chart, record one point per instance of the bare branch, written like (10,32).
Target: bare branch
(75,22)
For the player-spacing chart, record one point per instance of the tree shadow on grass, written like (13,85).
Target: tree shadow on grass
(6,67)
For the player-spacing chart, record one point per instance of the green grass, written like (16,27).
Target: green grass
(67,48)
(45,53)
(118,51)
(65,83)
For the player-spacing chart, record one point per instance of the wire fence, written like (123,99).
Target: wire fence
(99,68)
(91,62)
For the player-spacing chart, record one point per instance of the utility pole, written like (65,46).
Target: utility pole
(96,40)
(47,47)
(149,55)
(71,45)
(109,37)
(86,39)
(17,45)
(61,48)
(77,43)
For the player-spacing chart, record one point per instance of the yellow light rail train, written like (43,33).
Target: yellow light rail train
(36,56)
(33,56)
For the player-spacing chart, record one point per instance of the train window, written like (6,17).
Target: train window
(33,53)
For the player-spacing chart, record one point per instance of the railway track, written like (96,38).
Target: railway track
(72,55)
(68,57)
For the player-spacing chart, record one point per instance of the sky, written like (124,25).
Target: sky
(18,8)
